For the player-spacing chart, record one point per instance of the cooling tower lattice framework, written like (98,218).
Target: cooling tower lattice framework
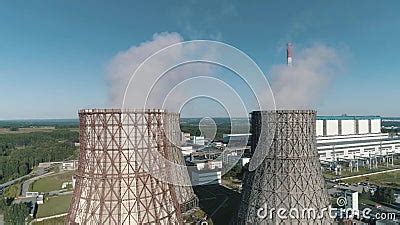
(290,176)
(119,153)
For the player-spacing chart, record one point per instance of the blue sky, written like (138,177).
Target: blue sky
(53,54)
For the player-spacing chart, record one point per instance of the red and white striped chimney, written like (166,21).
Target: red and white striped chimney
(289,54)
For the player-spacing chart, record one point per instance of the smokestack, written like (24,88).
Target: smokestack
(289,54)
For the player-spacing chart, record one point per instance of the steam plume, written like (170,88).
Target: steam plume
(303,84)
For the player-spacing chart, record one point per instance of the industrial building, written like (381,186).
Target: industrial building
(197,140)
(205,172)
(351,200)
(70,165)
(124,173)
(354,137)
(290,175)
(236,138)
(187,150)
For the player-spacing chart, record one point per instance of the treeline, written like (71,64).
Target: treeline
(236,172)
(195,131)
(39,123)
(382,194)
(19,153)
(241,125)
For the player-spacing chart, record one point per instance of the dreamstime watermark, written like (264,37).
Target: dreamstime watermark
(341,201)
(323,213)
(366,213)
(293,213)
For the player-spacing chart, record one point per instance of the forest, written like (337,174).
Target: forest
(21,152)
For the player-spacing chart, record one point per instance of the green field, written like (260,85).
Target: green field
(54,206)
(367,202)
(385,179)
(51,183)
(362,170)
(26,130)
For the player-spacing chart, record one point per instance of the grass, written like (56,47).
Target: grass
(234,184)
(74,129)
(391,179)
(196,216)
(54,206)
(329,176)
(362,170)
(13,191)
(51,183)
(53,221)
(367,201)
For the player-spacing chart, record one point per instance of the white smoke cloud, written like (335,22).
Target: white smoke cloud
(122,66)
(303,85)
(300,86)
(145,85)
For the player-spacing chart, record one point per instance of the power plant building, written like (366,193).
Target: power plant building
(352,137)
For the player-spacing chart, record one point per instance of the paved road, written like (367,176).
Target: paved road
(11,182)
(38,172)
(220,205)
(27,183)
(59,192)
(49,217)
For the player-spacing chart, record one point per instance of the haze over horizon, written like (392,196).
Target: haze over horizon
(58,57)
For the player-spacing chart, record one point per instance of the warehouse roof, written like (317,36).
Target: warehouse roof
(345,117)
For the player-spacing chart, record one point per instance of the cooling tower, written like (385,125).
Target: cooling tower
(290,176)
(123,167)
(186,197)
